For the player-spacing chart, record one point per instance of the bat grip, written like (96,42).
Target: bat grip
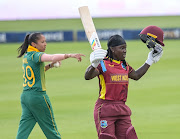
(103,66)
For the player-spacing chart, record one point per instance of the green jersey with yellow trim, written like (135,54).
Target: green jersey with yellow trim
(33,68)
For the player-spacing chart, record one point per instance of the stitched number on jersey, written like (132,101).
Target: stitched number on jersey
(27,78)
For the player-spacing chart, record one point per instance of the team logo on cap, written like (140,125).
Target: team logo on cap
(103,123)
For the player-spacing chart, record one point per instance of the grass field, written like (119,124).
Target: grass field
(154,99)
(100,23)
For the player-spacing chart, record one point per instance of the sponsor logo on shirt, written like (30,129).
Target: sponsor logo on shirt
(119,78)
(111,65)
(25,60)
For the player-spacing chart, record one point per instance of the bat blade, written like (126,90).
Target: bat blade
(90,31)
(87,21)
(89,27)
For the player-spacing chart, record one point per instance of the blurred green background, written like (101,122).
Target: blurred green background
(154,99)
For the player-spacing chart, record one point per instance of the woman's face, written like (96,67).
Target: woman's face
(119,52)
(41,44)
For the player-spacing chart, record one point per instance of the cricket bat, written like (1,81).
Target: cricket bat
(90,31)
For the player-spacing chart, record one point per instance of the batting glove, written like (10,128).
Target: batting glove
(96,56)
(155,55)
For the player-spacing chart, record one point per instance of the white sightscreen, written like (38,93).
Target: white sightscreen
(52,9)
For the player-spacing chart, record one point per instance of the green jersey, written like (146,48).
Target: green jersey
(34,71)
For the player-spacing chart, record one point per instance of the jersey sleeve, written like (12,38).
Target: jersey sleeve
(36,57)
(100,69)
(130,69)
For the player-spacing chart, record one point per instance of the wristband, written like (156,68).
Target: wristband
(67,56)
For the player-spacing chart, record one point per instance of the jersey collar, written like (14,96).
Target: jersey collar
(115,61)
(31,48)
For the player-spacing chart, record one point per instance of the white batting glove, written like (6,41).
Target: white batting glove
(157,49)
(155,55)
(96,56)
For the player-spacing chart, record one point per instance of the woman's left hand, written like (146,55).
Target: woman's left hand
(56,64)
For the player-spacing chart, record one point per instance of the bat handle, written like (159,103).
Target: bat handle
(103,66)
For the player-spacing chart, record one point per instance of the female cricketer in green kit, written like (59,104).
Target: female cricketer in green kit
(36,106)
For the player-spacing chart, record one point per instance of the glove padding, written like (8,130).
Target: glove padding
(157,49)
(96,56)
(155,55)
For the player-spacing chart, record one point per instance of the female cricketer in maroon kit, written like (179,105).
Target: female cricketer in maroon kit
(111,114)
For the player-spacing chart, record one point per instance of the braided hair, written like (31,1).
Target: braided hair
(114,41)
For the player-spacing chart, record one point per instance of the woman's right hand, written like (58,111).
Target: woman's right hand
(96,56)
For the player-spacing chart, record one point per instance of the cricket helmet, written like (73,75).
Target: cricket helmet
(154,32)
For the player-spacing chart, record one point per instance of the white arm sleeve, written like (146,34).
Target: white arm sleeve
(52,58)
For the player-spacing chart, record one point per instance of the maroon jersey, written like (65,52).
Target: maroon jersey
(113,84)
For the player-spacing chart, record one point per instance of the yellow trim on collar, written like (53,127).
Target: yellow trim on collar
(116,61)
(113,60)
(31,48)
